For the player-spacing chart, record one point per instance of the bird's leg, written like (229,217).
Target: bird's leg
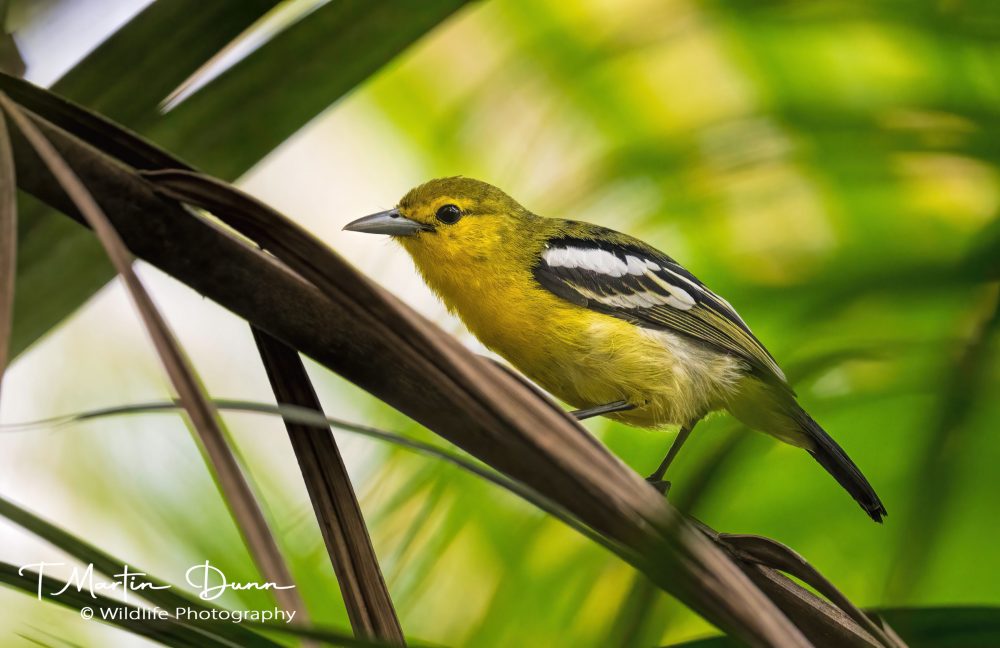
(656,479)
(607,408)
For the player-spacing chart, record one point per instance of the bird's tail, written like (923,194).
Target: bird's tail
(836,462)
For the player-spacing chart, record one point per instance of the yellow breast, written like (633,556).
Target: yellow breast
(583,357)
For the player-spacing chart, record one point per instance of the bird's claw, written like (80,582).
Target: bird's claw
(661,485)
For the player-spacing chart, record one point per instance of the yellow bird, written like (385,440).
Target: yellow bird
(601,320)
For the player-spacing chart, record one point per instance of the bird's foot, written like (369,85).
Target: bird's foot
(600,410)
(661,485)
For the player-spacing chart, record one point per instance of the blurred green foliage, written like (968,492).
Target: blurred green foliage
(829,167)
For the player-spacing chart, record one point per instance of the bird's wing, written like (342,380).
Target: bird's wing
(616,275)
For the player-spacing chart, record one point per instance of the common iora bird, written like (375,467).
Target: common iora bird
(601,320)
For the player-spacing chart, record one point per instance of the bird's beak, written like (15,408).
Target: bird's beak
(388,222)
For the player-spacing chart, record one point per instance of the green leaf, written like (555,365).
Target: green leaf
(260,102)
(57,258)
(224,129)
(939,627)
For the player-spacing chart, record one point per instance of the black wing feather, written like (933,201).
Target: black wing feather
(680,302)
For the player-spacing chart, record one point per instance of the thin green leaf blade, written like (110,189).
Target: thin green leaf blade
(292,78)
(146,66)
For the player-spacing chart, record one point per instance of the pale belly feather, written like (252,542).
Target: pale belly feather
(670,379)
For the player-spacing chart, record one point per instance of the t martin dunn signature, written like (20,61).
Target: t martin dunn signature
(209,581)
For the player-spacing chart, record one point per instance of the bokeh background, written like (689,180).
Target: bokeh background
(830,167)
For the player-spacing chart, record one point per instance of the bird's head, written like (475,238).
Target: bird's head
(457,221)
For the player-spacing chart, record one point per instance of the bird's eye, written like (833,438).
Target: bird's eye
(449,214)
